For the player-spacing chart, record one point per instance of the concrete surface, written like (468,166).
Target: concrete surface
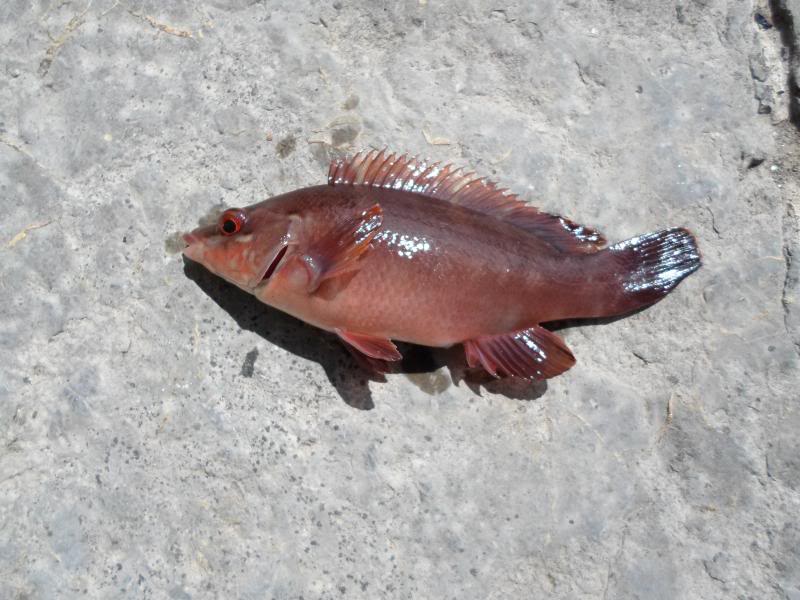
(165,436)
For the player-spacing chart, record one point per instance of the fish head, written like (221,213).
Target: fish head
(245,246)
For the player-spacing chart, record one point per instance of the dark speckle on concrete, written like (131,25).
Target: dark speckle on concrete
(286,146)
(249,363)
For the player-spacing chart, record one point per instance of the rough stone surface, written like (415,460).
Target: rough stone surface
(164,435)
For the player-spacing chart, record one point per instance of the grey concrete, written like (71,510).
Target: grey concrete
(163,435)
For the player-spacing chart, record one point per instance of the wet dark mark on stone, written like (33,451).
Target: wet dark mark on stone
(783,20)
(173,244)
(286,146)
(762,21)
(351,102)
(344,134)
(249,363)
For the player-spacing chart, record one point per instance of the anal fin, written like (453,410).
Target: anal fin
(370,345)
(533,353)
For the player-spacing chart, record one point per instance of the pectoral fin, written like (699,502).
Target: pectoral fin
(337,252)
(371,346)
(533,353)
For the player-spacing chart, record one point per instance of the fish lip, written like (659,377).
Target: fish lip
(273,264)
(189,239)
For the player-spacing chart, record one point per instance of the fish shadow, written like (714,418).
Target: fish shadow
(421,365)
(283,330)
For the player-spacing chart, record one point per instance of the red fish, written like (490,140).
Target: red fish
(394,248)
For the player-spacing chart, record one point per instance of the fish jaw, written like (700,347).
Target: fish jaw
(246,259)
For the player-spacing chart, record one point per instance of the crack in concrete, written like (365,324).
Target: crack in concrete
(16,475)
(169,29)
(74,23)
(18,148)
(612,563)
(714,227)
(791,235)
(783,20)
(24,233)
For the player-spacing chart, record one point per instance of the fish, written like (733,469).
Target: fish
(398,248)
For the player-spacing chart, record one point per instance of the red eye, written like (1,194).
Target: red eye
(231,221)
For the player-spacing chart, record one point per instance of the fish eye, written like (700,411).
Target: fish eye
(231,221)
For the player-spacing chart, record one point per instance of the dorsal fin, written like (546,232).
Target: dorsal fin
(377,168)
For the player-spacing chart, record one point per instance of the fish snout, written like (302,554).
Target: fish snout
(194,246)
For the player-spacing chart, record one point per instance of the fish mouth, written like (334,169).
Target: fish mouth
(274,264)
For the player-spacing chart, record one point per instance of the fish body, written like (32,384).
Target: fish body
(397,249)
(437,273)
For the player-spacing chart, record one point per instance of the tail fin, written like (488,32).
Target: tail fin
(647,268)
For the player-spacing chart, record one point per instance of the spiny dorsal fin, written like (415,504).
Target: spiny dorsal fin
(377,168)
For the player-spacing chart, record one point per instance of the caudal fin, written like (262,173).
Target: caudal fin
(646,268)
